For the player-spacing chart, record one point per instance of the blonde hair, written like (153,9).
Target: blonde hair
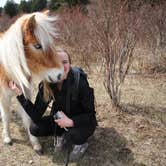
(47,91)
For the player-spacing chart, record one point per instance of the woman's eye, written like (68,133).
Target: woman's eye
(65,61)
(38,46)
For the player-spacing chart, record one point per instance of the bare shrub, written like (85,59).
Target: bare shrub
(152,37)
(75,35)
(115,30)
(106,36)
(6,21)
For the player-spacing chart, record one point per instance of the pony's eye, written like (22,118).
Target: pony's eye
(37,46)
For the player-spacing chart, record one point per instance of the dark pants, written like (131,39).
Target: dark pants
(47,127)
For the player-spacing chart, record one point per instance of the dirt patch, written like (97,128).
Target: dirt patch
(135,136)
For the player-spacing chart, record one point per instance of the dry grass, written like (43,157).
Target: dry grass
(129,138)
(146,95)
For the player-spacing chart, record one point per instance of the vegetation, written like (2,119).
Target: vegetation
(1,10)
(75,2)
(11,8)
(25,6)
(109,32)
(38,5)
(112,36)
(122,44)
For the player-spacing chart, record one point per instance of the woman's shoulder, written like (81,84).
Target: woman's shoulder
(78,70)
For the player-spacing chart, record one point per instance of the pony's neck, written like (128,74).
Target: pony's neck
(12,56)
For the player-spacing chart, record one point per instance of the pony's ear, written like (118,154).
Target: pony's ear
(31,24)
(46,12)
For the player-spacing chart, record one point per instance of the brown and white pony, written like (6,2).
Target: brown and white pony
(27,51)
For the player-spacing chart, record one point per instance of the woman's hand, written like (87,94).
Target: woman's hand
(64,121)
(13,86)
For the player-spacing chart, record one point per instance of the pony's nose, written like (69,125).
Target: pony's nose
(59,76)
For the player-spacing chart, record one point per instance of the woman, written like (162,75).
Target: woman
(76,124)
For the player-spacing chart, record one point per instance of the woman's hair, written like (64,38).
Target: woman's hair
(47,92)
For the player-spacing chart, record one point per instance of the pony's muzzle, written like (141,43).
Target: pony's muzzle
(54,75)
(50,79)
(59,77)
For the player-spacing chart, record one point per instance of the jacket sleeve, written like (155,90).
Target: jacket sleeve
(36,110)
(86,99)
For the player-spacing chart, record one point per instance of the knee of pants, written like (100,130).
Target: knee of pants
(81,135)
(34,129)
(76,138)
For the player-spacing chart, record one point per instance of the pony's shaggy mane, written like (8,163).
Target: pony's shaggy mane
(12,55)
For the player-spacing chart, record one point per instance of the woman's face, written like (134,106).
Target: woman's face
(65,61)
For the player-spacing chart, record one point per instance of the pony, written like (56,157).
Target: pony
(27,52)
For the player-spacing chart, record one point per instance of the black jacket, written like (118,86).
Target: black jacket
(82,110)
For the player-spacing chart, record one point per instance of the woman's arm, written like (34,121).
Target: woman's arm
(86,99)
(36,110)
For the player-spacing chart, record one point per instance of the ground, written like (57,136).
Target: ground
(135,136)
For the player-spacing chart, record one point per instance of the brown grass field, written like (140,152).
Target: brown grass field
(135,136)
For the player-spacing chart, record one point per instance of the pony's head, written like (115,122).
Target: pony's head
(39,35)
(30,49)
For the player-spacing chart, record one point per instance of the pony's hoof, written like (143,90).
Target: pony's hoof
(38,149)
(8,141)
(39,152)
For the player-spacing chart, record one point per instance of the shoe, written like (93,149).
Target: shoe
(59,143)
(78,152)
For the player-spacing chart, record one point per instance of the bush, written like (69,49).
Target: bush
(11,8)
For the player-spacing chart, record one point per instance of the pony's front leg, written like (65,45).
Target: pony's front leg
(34,140)
(4,109)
